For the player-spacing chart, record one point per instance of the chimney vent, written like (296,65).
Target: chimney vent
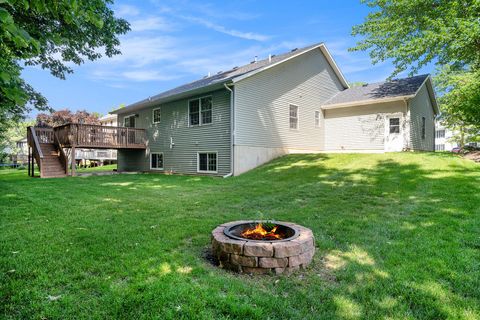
(269,58)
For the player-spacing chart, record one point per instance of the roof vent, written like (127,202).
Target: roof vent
(269,58)
(293,50)
(219,72)
(365,85)
(255,59)
(235,68)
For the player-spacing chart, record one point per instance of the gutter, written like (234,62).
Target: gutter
(232,130)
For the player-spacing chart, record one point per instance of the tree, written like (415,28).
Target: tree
(57,118)
(460,102)
(16,131)
(49,34)
(413,33)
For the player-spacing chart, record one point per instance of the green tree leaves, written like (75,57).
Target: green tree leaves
(50,34)
(413,33)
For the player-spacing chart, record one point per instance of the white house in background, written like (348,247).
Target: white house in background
(99,156)
(443,138)
(444,141)
(299,101)
(109,120)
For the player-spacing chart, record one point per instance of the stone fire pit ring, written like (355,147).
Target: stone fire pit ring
(263,256)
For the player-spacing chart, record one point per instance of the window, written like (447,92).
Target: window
(440,133)
(129,121)
(423,127)
(200,111)
(293,117)
(439,147)
(156,161)
(207,162)
(317,119)
(394,125)
(156,115)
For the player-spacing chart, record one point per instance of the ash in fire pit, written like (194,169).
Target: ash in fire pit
(262,246)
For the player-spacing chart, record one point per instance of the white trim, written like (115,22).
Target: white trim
(290,117)
(153,115)
(198,162)
(320,46)
(364,102)
(200,123)
(163,161)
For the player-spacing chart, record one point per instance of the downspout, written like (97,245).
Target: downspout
(408,127)
(232,130)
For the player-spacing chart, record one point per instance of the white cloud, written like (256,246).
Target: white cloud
(141,51)
(224,30)
(147,75)
(150,24)
(125,10)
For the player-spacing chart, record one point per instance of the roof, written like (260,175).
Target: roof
(379,90)
(232,75)
(382,92)
(108,117)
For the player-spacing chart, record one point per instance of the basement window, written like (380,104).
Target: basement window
(293,117)
(156,161)
(207,162)
(200,111)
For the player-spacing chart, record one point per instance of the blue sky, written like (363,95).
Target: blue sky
(177,41)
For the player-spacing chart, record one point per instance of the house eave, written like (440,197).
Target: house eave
(365,102)
(150,102)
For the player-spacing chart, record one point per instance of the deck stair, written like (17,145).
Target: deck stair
(51,164)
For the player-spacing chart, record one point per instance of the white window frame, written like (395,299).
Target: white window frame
(438,135)
(200,121)
(198,162)
(153,115)
(290,117)
(163,161)
(316,119)
(399,125)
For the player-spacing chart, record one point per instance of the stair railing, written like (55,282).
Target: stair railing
(33,142)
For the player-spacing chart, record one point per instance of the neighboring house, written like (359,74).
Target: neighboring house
(233,121)
(99,156)
(445,138)
(18,155)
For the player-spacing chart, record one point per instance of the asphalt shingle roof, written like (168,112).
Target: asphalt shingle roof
(225,76)
(379,90)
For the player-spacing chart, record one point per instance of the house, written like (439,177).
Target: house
(447,139)
(299,101)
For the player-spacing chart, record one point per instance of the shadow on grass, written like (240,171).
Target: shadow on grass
(396,236)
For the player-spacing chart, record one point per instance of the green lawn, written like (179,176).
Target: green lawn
(397,236)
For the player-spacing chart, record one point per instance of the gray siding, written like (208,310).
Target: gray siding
(182,158)
(421,106)
(359,127)
(262,103)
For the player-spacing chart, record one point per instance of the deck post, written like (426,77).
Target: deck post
(73,161)
(33,165)
(29,170)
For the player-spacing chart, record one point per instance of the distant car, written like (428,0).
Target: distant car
(457,150)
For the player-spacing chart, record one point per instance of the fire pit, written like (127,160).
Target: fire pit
(262,246)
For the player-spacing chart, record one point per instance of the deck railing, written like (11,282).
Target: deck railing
(104,137)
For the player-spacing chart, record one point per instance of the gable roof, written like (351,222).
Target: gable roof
(233,75)
(393,90)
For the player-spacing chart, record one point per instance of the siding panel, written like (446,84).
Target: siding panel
(262,103)
(358,128)
(421,106)
(182,157)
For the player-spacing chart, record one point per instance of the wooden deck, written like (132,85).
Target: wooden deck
(100,137)
(75,135)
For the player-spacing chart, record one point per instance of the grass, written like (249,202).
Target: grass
(397,236)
